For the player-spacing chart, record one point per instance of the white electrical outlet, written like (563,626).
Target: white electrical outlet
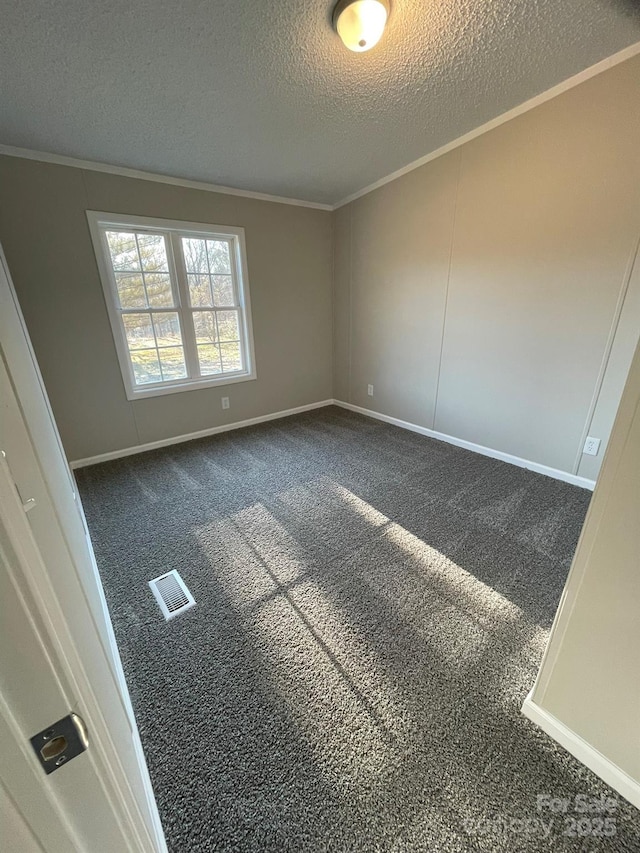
(370,390)
(225,402)
(591,446)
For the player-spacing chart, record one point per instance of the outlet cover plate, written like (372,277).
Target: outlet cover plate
(591,446)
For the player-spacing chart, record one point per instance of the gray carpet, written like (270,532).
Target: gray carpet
(372,608)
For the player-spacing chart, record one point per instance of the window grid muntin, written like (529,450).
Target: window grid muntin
(172,232)
(238,306)
(213,308)
(176,308)
(158,348)
(219,343)
(141,271)
(232,274)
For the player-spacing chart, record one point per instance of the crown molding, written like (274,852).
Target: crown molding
(123,171)
(548,95)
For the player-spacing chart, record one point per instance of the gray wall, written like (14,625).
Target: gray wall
(480,290)
(44,232)
(478,294)
(590,676)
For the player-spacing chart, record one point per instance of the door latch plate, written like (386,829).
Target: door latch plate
(59,743)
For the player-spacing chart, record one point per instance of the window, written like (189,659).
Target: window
(178,301)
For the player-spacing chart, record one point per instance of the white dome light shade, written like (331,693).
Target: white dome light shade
(360,23)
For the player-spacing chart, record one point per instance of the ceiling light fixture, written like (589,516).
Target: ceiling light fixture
(360,23)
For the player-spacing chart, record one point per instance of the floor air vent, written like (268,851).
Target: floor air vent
(172,595)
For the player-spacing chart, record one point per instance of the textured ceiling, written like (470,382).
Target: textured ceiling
(263,96)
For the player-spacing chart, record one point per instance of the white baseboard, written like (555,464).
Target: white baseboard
(556,473)
(440,436)
(178,439)
(585,753)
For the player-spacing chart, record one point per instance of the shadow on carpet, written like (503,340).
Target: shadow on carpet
(372,609)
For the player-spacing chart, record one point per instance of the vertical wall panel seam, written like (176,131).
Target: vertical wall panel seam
(446,291)
(613,330)
(334,302)
(350,280)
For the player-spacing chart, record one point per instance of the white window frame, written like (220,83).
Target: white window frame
(173,230)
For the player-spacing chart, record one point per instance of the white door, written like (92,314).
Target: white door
(57,651)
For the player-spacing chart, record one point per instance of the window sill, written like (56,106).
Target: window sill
(161,390)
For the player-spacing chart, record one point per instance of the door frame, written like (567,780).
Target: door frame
(47,614)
